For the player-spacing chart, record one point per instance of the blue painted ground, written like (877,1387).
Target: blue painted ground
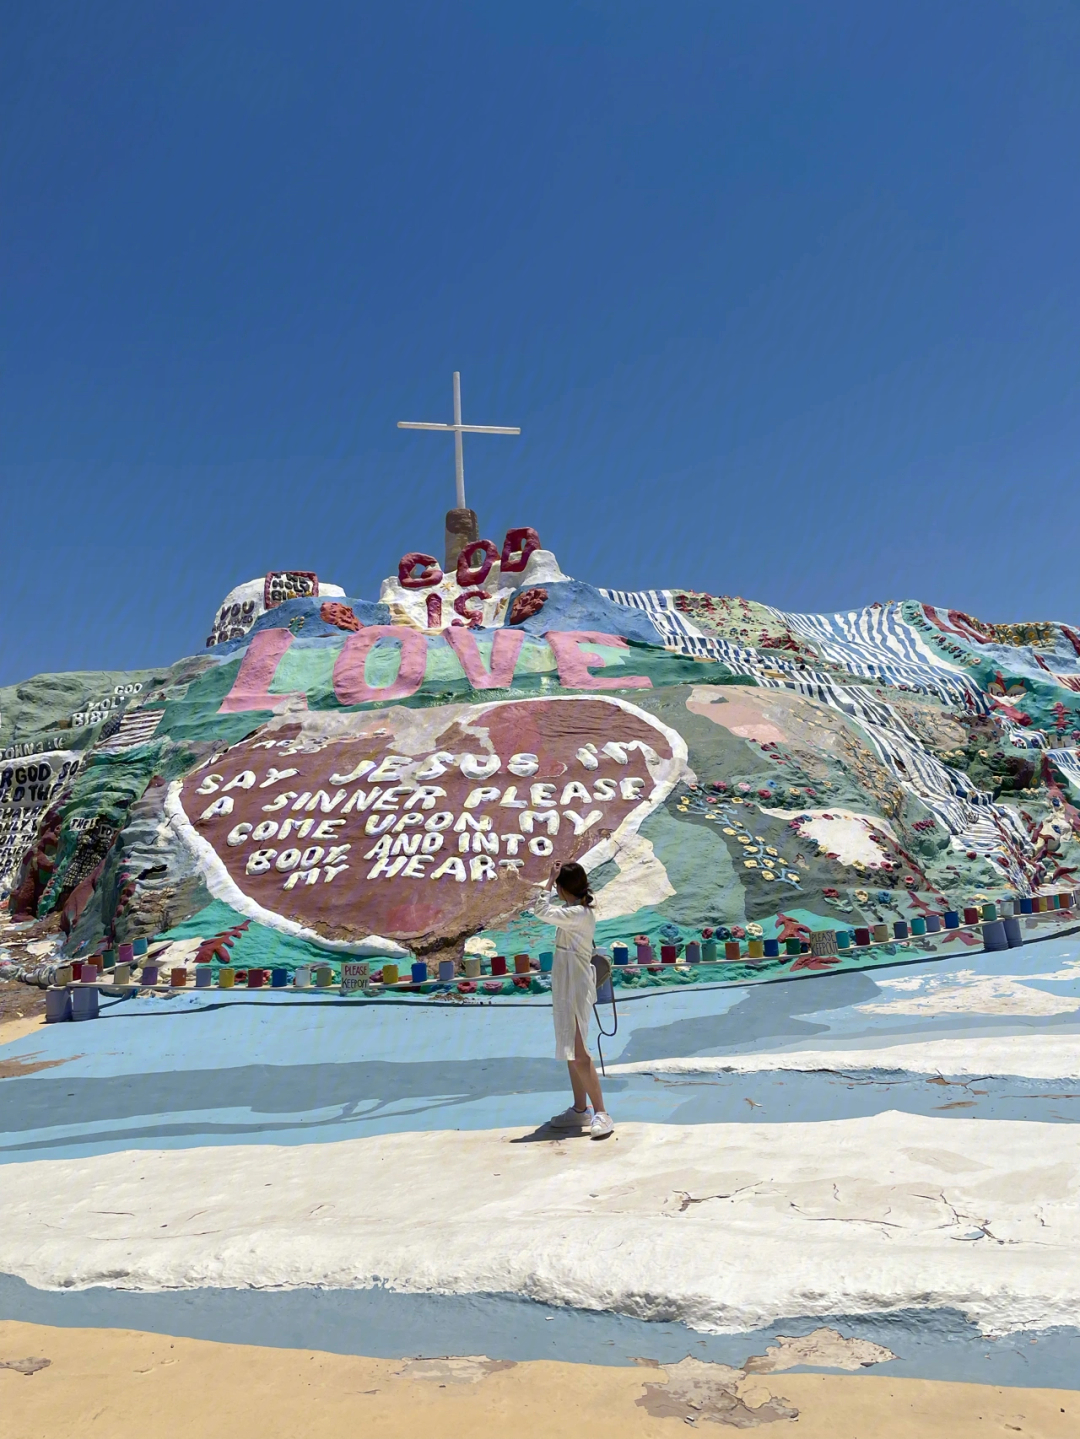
(285,1068)
(928,1344)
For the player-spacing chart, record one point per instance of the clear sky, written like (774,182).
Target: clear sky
(783,295)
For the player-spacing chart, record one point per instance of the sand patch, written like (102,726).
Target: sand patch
(127,1385)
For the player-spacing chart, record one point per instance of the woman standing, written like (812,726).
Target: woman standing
(573,994)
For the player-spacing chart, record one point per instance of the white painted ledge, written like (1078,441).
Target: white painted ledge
(722,1226)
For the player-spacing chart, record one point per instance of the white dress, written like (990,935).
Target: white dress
(573,979)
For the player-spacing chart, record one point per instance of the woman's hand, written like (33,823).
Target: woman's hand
(555,867)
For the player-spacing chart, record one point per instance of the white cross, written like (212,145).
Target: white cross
(458,429)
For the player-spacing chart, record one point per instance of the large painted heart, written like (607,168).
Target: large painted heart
(422,827)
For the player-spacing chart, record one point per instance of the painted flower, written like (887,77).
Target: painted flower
(862,896)
(737,932)
(754,931)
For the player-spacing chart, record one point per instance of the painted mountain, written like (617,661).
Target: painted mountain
(334,776)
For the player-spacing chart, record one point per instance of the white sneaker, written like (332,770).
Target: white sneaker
(602,1126)
(569,1119)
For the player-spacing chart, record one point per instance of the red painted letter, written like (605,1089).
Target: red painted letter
(466,577)
(514,562)
(430,575)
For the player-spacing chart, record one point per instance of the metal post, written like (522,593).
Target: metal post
(459,445)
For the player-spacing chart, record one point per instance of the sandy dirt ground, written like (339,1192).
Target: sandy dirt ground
(121,1384)
(19,1001)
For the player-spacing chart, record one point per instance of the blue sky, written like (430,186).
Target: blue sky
(783,296)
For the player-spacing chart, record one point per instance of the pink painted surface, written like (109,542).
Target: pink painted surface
(251,688)
(574,661)
(505,649)
(352,688)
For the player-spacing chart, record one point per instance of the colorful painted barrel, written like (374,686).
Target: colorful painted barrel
(988,911)
(139,947)
(279,978)
(178,977)
(57,1005)
(498,964)
(324,976)
(122,974)
(1025,905)
(204,976)
(446,970)
(521,964)
(952,919)
(693,952)
(880,933)
(471,963)
(708,951)
(644,951)
(771,949)
(843,939)
(125,954)
(732,951)
(1006,908)
(226,977)
(994,936)
(84,1002)
(933,924)
(547,957)
(793,946)
(669,953)
(301,977)
(149,975)
(390,974)
(620,954)
(64,975)
(918,925)
(900,929)
(862,935)
(1013,932)
(256,978)
(109,958)
(971,914)
(755,948)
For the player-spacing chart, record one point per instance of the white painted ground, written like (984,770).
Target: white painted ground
(966,991)
(1028,1056)
(723,1226)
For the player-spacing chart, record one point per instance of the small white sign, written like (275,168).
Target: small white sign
(354,975)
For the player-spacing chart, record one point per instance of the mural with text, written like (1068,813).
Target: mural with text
(397,775)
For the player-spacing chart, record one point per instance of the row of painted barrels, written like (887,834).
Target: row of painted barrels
(991,916)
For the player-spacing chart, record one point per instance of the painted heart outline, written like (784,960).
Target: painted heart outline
(420,827)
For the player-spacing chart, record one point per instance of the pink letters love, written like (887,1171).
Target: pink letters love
(251,688)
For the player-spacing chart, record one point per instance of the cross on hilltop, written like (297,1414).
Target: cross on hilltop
(461,525)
